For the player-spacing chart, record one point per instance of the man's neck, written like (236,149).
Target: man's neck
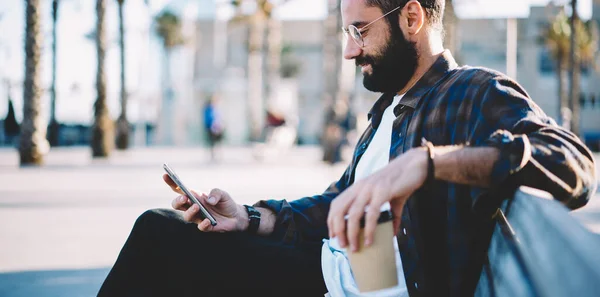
(427,56)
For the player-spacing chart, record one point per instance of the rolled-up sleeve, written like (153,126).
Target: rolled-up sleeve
(304,219)
(534,151)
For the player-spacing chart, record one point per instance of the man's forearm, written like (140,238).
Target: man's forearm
(465,165)
(267,221)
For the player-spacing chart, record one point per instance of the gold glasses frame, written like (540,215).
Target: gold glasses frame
(355,32)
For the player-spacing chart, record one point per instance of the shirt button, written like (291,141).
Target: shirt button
(404,231)
(416,285)
(400,134)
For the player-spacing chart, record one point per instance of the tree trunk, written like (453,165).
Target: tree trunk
(122,123)
(255,77)
(563,91)
(332,54)
(274,57)
(166,112)
(575,102)
(102,129)
(33,144)
(53,128)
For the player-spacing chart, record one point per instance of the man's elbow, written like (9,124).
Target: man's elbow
(572,182)
(586,185)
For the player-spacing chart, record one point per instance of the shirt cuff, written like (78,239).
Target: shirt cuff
(283,229)
(515,153)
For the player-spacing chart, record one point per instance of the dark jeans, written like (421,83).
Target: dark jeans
(165,256)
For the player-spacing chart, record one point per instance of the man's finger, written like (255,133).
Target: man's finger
(339,230)
(337,213)
(215,196)
(200,197)
(190,214)
(329,227)
(205,226)
(180,203)
(371,218)
(172,184)
(355,214)
(397,208)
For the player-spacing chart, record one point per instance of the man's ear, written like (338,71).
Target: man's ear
(414,17)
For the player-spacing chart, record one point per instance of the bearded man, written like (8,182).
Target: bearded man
(444,146)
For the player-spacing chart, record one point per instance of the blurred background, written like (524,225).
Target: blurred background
(277,56)
(249,95)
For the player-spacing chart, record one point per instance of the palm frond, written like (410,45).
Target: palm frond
(557,37)
(168,28)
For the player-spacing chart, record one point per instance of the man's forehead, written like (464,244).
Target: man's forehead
(346,4)
(357,11)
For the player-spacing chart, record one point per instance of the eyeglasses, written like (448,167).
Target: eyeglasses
(355,32)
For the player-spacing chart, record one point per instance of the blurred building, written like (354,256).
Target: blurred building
(221,67)
(483,43)
(214,60)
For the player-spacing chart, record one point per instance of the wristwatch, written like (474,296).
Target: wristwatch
(253,219)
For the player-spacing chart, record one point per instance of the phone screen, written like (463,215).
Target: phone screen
(189,194)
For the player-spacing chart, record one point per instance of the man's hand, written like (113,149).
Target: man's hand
(394,183)
(230,216)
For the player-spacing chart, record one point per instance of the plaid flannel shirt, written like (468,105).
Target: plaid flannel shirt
(445,227)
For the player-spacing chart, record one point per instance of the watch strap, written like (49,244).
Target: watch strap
(253,219)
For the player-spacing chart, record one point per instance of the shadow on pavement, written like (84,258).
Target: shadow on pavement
(52,283)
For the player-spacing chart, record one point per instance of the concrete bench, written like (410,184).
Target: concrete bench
(539,249)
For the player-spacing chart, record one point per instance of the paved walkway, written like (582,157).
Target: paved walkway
(62,225)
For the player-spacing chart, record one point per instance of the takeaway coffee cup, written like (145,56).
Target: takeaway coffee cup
(374,267)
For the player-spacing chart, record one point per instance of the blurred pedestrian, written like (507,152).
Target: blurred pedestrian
(213,125)
(11,126)
(335,137)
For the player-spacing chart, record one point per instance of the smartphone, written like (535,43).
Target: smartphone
(189,194)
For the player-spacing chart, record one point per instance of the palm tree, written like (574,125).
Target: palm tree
(263,30)
(168,28)
(122,123)
(53,127)
(332,63)
(103,127)
(557,37)
(584,48)
(33,144)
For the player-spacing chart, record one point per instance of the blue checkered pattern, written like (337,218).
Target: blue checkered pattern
(446,227)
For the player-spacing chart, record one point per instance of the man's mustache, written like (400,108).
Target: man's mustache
(364,61)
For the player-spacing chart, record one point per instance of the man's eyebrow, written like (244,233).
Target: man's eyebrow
(359,24)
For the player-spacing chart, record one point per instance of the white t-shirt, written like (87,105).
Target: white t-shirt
(377,154)
(334,262)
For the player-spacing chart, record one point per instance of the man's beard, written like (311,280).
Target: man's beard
(393,68)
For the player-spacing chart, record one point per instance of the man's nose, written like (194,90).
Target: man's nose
(351,49)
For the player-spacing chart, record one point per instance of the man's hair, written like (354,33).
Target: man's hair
(434,10)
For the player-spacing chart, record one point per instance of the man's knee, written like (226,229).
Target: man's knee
(154,217)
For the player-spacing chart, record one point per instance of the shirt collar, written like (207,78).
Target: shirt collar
(444,64)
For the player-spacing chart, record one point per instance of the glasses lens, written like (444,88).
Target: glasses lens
(353,31)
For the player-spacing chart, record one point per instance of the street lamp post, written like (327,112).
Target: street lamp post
(575,71)
(511,47)
(53,129)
